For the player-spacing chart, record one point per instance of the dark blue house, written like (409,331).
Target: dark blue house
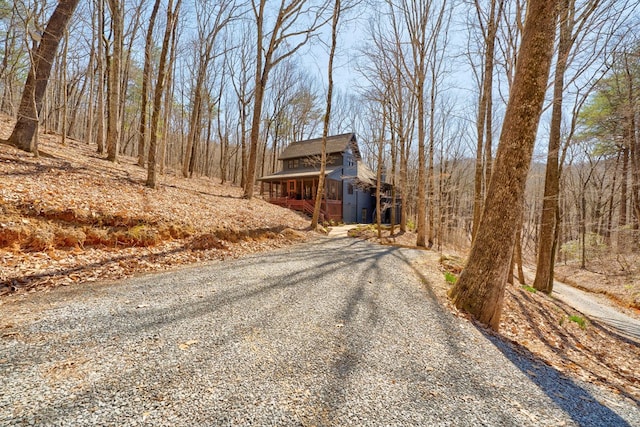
(350,185)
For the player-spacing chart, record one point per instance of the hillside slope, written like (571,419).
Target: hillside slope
(71,216)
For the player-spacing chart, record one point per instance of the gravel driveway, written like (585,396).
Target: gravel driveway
(333,332)
(596,307)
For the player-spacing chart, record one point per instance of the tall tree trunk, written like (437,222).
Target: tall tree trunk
(168,97)
(327,116)
(91,74)
(64,85)
(38,77)
(394,151)
(379,173)
(485,112)
(480,289)
(255,134)
(404,193)
(194,122)
(146,71)
(622,216)
(421,217)
(115,74)
(101,56)
(546,256)
(172,19)
(430,168)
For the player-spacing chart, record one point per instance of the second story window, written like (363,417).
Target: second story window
(293,164)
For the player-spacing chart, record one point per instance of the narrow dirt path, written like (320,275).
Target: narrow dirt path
(596,308)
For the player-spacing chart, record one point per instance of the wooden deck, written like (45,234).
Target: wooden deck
(330,210)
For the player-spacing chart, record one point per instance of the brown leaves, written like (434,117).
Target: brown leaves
(540,324)
(73,213)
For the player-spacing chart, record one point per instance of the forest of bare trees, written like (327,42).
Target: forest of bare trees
(218,89)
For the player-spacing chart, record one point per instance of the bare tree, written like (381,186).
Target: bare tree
(38,77)
(116,8)
(240,70)
(172,21)
(211,21)
(489,28)
(480,288)
(295,22)
(142,137)
(587,27)
(335,20)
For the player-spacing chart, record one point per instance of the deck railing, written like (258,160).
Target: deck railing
(329,210)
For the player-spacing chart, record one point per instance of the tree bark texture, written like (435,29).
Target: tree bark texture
(480,289)
(146,71)
(327,115)
(172,19)
(115,73)
(38,76)
(546,247)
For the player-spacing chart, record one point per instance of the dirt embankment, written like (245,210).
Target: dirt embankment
(70,216)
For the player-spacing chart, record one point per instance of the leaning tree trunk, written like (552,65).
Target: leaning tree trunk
(38,77)
(546,246)
(480,288)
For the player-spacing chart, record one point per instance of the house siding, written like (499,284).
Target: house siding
(344,169)
(356,207)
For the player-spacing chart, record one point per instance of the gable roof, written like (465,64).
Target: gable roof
(298,173)
(313,147)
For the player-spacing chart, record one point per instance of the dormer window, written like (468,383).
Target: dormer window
(293,164)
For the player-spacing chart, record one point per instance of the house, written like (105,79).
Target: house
(349,194)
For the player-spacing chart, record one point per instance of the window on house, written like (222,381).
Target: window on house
(332,193)
(350,188)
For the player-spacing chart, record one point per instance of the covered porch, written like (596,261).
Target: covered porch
(297,191)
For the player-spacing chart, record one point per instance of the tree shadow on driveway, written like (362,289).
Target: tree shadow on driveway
(576,401)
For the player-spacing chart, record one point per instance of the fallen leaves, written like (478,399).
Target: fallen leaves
(539,324)
(72,217)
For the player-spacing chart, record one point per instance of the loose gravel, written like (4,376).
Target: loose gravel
(333,332)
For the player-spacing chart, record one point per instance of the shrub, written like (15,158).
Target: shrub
(579,320)
(450,277)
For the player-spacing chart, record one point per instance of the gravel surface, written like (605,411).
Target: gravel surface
(596,307)
(334,332)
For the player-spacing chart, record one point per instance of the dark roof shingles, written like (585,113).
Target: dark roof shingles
(313,147)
